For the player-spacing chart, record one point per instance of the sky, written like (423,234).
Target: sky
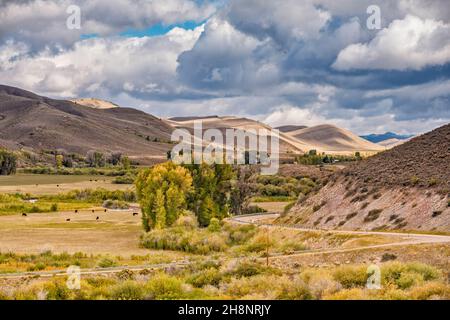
(303,62)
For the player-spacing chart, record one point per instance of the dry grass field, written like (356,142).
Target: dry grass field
(41,184)
(116,233)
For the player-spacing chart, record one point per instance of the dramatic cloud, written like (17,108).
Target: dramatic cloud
(411,43)
(42,23)
(141,66)
(281,61)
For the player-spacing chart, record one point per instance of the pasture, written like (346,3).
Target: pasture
(41,184)
(115,232)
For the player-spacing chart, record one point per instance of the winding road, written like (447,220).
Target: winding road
(404,238)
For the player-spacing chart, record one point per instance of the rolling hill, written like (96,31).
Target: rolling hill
(95,103)
(31,121)
(407,187)
(331,139)
(287,143)
(295,139)
(289,128)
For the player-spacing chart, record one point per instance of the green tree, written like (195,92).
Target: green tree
(163,186)
(95,159)
(212,184)
(160,210)
(126,163)
(59,161)
(8,163)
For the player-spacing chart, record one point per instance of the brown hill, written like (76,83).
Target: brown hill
(289,128)
(40,123)
(331,139)
(407,187)
(296,140)
(287,143)
(391,143)
(95,103)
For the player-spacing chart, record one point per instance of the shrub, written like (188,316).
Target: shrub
(247,269)
(187,221)
(164,287)
(388,257)
(107,263)
(57,290)
(128,290)
(115,204)
(128,179)
(436,214)
(199,241)
(54,207)
(414,180)
(407,275)
(431,290)
(373,215)
(253,209)
(209,276)
(214,225)
(295,290)
(260,242)
(409,279)
(351,276)
(351,215)
(251,287)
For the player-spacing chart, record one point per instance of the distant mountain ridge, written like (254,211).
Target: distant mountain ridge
(376,138)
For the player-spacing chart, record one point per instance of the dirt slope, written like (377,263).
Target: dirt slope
(40,123)
(407,187)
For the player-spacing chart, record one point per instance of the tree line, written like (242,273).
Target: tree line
(211,192)
(8,163)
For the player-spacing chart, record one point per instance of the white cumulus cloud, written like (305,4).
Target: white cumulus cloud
(409,43)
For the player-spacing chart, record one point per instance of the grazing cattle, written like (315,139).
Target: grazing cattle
(76,211)
(93,211)
(67,220)
(135,214)
(24,215)
(57,185)
(98,218)
(106,210)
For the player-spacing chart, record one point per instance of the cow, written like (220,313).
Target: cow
(67,220)
(24,215)
(135,214)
